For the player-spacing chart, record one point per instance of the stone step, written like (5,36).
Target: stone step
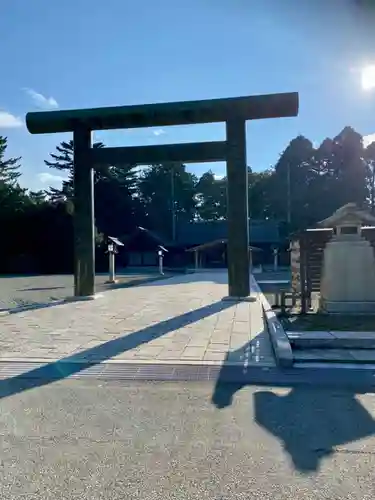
(331,340)
(334,356)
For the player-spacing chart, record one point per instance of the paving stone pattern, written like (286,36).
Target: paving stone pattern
(179,320)
(19,291)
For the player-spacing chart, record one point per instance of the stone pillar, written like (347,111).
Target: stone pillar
(275,259)
(112,268)
(238,219)
(84,224)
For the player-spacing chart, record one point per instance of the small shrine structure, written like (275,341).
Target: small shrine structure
(348,272)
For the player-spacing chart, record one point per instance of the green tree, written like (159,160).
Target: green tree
(290,183)
(342,173)
(211,197)
(13,199)
(310,184)
(63,161)
(118,208)
(167,193)
(9,168)
(260,199)
(37,197)
(369,157)
(349,168)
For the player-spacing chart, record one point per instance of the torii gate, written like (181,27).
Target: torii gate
(233,111)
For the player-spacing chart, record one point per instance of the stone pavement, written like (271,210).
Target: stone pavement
(178,320)
(20,291)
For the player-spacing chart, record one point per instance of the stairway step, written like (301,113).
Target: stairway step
(334,356)
(331,340)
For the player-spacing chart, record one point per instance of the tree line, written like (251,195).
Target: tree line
(306,184)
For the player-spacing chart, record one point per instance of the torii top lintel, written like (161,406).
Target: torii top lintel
(164,114)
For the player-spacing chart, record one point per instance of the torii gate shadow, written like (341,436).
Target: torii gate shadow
(71,365)
(312,424)
(310,421)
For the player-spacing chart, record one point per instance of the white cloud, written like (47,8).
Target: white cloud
(159,131)
(218,177)
(368,139)
(47,178)
(7,120)
(41,101)
(368,77)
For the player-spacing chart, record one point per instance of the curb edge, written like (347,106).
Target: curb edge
(279,339)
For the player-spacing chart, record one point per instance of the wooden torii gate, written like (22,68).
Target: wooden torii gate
(233,111)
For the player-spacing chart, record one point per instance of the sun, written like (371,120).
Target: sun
(368,77)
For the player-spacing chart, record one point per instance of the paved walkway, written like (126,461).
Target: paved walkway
(21,291)
(178,320)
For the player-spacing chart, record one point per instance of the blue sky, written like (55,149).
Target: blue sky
(81,53)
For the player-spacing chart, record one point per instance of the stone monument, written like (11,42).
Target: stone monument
(348,274)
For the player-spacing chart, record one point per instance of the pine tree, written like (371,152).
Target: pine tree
(9,169)
(63,160)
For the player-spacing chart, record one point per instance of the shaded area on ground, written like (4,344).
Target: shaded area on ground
(95,440)
(28,290)
(76,363)
(311,427)
(20,291)
(310,423)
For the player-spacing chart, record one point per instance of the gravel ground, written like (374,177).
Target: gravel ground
(16,291)
(81,439)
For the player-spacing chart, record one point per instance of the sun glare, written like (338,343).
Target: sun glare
(368,77)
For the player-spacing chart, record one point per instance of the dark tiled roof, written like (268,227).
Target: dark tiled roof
(196,233)
(144,238)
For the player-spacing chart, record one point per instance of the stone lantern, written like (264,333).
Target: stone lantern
(348,274)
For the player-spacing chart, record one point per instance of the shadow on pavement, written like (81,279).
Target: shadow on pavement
(41,289)
(310,423)
(146,281)
(71,365)
(220,276)
(52,301)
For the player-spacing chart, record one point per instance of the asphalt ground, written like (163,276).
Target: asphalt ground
(89,439)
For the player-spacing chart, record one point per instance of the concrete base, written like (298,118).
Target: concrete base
(249,298)
(111,282)
(86,297)
(347,307)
